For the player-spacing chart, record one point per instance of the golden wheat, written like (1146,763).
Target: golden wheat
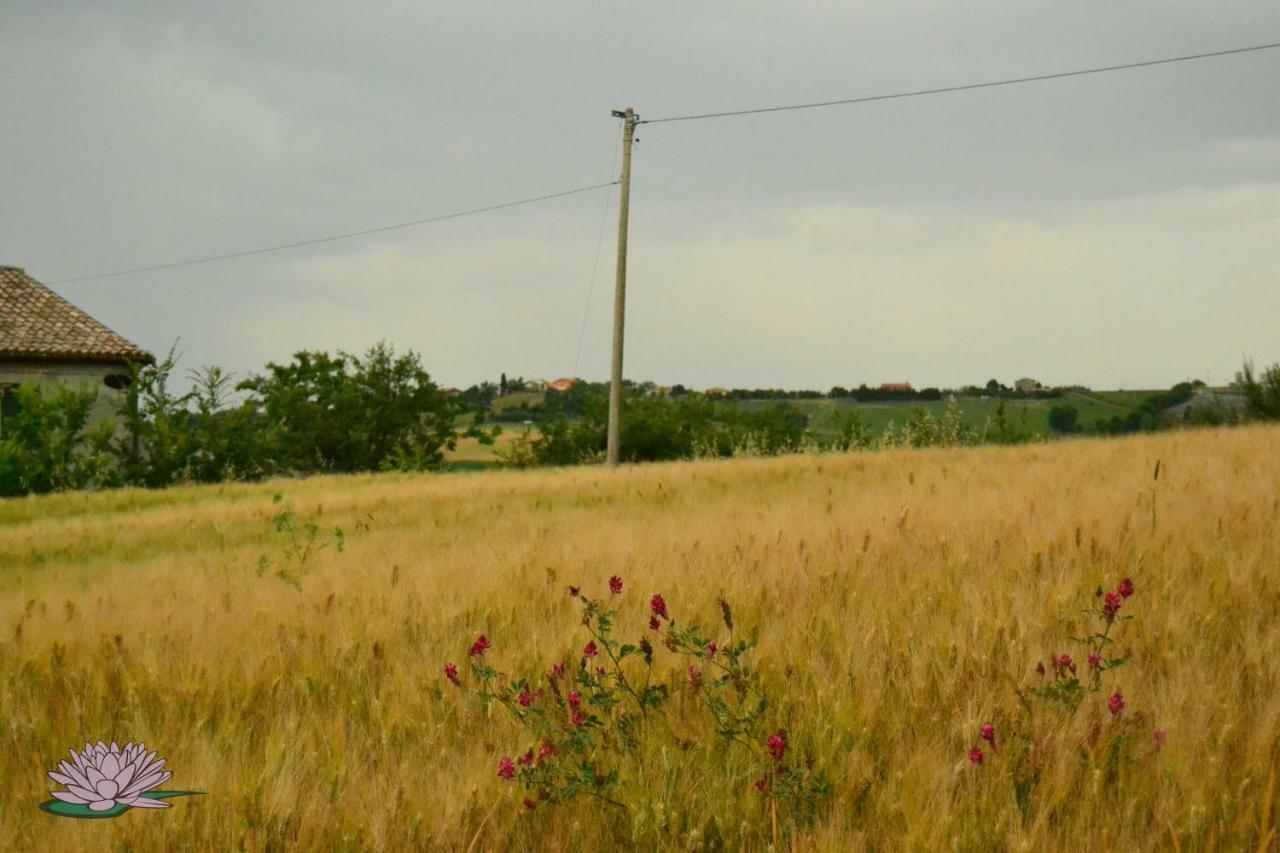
(900,598)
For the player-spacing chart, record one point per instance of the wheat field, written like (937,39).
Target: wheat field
(901,600)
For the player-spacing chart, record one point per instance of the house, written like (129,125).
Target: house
(897,387)
(536,385)
(46,341)
(717,392)
(1026,385)
(562,385)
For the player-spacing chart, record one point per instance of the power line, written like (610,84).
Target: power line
(968,86)
(331,238)
(595,265)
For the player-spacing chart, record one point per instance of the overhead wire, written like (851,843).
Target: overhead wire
(595,265)
(381,229)
(989,84)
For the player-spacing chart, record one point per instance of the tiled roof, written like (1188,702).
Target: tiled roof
(35,322)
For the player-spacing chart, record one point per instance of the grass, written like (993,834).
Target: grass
(900,597)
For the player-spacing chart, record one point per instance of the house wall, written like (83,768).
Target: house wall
(73,375)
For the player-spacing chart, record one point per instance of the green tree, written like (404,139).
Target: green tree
(1064,418)
(1261,391)
(47,445)
(353,413)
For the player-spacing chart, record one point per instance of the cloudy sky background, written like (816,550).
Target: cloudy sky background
(1117,230)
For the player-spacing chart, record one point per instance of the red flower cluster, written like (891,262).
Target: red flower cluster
(615,585)
(480,646)
(506,768)
(1111,605)
(1065,662)
(1116,704)
(777,745)
(451,673)
(654,624)
(711,650)
(659,607)
(694,673)
(546,751)
(1125,588)
(975,755)
(525,698)
(988,733)
(1095,660)
(557,669)
(577,718)
(590,650)
(575,699)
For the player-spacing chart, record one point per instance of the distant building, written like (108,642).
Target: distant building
(536,385)
(46,341)
(1027,385)
(452,392)
(562,385)
(897,387)
(717,392)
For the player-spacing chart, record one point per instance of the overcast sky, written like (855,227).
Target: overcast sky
(1116,230)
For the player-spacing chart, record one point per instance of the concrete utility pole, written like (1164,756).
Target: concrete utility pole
(630,120)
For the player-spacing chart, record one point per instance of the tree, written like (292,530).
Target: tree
(1064,419)
(1261,391)
(353,413)
(47,446)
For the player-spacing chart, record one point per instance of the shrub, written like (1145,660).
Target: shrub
(587,726)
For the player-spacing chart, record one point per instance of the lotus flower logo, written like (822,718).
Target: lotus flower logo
(107,781)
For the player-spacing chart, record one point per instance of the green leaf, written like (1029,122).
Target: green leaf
(77,810)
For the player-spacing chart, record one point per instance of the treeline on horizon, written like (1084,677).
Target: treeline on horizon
(381,411)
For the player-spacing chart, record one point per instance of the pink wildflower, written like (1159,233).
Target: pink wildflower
(577,719)
(506,768)
(479,646)
(777,745)
(527,758)
(659,606)
(615,585)
(1065,662)
(530,804)
(525,698)
(557,670)
(575,699)
(1111,605)
(1125,588)
(590,650)
(694,673)
(711,650)
(988,733)
(451,673)
(1095,660)
(546,751)
(760,784)
(975,755)
(654,624)
(1116,704)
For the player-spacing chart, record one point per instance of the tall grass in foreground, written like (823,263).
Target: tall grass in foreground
(901,599)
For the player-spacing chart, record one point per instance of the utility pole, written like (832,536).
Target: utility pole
(630,120)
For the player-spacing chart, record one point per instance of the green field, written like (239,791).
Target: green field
(1029,416)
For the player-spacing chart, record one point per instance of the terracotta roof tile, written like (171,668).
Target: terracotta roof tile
(35,322)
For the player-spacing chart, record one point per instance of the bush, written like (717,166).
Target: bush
(1261,392)
(1064,419)
(47,445)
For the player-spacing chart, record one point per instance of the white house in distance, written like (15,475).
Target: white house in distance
(47,341)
